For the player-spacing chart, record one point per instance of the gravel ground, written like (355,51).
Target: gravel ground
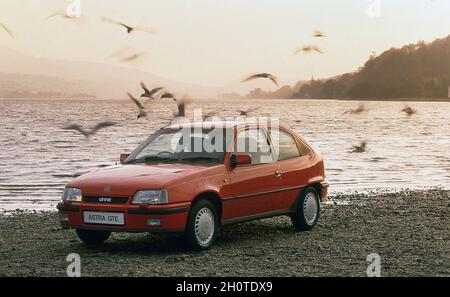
(408,229)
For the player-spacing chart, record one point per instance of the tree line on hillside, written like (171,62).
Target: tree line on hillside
(420,70)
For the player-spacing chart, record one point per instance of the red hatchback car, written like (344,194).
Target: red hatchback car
(195,178)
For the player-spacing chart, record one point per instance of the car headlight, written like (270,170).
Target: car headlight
(147,197)
(72,194)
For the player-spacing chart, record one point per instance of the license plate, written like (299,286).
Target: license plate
(103,218)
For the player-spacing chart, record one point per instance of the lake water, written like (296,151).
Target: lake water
(38,157)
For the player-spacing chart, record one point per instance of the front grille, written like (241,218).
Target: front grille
(106,200)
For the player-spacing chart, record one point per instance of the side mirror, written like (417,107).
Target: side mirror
(123,157)
(241,159)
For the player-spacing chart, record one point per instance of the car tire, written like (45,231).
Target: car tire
(202,225)
(93,237)
(307,211)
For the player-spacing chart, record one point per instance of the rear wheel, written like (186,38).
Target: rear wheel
(93,237)
(308,210)
(202,225)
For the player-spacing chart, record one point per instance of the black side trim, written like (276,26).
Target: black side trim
(144,211)
(64,207)
(262,193)
(258,216)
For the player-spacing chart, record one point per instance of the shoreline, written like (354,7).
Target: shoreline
(433,100)
(333,196)
(408,229)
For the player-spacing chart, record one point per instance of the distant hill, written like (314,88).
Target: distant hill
(17,85)
(415,71)
(23,75)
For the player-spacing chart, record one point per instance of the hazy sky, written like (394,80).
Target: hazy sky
(215,42)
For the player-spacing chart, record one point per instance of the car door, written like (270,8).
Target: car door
(294,162)
(254,186)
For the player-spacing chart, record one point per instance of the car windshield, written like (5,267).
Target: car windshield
(185,145)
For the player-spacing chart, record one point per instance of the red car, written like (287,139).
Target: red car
(196,178)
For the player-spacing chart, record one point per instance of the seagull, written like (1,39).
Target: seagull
(308,49)
(360,148)
(61,13)
(127,54)
(208,115)
(318,33)
(89,133)
(65,15)
(181,104)
(262,75)
(132,57)
(168,95)
(361,108)
(246,112)
(409,111)
(142,111)
(10,33)
(129,29)
(149,94)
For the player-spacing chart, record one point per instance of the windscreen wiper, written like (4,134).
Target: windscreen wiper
(152,159)
(201,158)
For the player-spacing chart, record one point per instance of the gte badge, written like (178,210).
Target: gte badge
(102,199)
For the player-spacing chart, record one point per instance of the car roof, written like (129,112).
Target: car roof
(216,124)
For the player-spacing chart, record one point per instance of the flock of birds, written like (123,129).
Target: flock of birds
(361,148)
(158,93)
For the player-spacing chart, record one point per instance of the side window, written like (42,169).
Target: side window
(254,142)
(304,149)
(285,145)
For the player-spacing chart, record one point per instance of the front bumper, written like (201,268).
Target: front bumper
(172,217)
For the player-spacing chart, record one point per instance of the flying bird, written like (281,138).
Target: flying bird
(409,111)
(66,15)
(248,111)
(10,33)
(361,108)
(142,111)
(208,115)
(132,57)
(149,93)
(318,33)
(127,54)
(360,148)
(129,28)
(61,13)
(92,131)
(262,75)
(181,104)
(308,49)
(167,95)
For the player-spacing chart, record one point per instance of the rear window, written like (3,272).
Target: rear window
(284,145)
(303,148)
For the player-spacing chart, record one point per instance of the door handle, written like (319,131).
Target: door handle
(278,172)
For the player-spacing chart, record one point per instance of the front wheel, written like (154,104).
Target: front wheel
(93,237)
(202,225)
(308,209)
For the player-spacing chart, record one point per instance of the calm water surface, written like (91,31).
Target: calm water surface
(38,157)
